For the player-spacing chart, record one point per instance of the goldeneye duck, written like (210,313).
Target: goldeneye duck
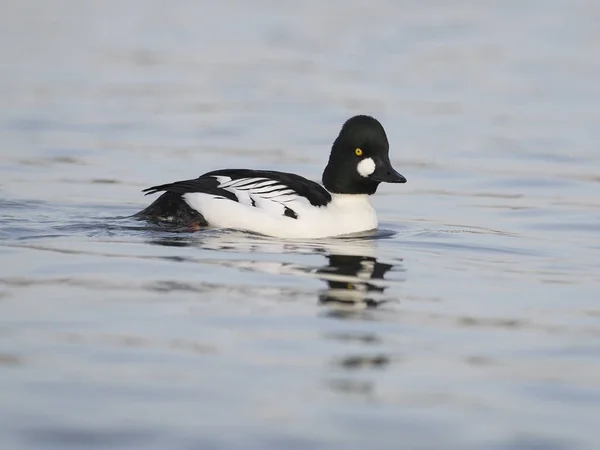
(286,205)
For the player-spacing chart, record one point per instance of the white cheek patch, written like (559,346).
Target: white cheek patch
(366,167)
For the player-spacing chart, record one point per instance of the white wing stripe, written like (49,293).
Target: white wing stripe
(236,182)
(265,193)
(264,183)
(268,189)
(248,183)
(243,182)
(274,196)
(279,193)
(260,189)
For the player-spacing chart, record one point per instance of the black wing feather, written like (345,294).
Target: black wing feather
(314,192)
(203,184)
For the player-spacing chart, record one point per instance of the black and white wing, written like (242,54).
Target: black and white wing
(273,192)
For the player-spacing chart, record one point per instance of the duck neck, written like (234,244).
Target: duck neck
(346,180)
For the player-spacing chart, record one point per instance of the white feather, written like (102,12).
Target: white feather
(262,203)
(345,214)
(366,167)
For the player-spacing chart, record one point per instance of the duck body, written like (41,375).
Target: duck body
(286,205)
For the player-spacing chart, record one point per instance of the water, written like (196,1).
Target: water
(470,320)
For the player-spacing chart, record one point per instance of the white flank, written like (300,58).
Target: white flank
(366,167)
(345,214)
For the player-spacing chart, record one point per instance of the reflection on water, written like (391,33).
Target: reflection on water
(355,281)
(348,278)
(355,278)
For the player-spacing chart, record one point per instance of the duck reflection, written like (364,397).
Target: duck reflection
(353,274)
(349,280)
(355,281)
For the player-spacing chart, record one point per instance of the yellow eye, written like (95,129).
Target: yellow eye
(358,152)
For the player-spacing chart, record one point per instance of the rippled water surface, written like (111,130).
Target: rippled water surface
(470,320)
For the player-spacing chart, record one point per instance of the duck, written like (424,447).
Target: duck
(286,205)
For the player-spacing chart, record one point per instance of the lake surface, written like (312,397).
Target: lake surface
(470,320)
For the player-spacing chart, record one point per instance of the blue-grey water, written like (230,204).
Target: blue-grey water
(470,320)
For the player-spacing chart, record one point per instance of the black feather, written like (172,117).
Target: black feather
(290,213)
(313,192)
(206,185)
(171,208)
(316,194)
